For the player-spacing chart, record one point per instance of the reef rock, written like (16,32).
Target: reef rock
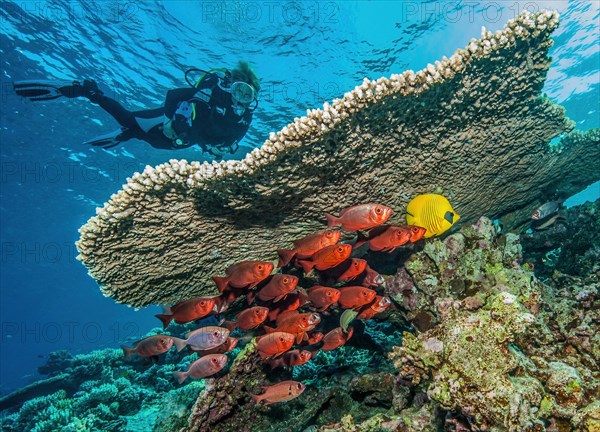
(474,124)
(503,349)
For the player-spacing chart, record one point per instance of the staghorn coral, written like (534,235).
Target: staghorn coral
(504,349)
(473,123)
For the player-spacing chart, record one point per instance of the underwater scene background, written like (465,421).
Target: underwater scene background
(61,367)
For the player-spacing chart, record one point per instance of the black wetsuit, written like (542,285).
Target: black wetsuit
(215,124)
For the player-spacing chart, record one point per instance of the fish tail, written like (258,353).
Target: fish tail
(303,297)
(307,266)
(221,282)
(285,256)
(179,343)
(181,376)
(332,221)
(361,240)
(127,351)
(268,329)
(230,325)
(166,319)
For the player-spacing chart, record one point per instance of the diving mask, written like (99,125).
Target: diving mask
(242,95)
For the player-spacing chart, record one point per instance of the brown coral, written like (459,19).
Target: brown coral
(473,123)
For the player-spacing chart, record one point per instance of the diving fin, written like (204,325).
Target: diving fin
(40,90)
(108,140)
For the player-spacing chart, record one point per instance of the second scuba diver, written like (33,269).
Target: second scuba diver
(215,112)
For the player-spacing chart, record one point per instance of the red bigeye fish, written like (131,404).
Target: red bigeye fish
(203,338)
(229,344)
(151,346)
(369,278)
(384,238)
(355,296)
(295,323)
(360,217)
(187,311)
(291,358)
(280,392)
(274,344)
(308,246)
(245,274)
(326,258)
(203,367)
(276,289)
(336,338)
(291,302)
(249,318)
(322,297)
(314,337)
(378,305)
(416,232)
(347,270)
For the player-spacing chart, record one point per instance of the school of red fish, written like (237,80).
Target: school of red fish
(291,311)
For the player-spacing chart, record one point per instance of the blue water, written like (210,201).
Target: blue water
(305,52)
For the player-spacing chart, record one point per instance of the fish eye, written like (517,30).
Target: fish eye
(340,249)
(216,333)
(202,302)
(281,339)
(378,210)
(299,386)
(329,293)
(260,266)
(285,280)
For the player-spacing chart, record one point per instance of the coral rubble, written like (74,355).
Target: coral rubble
(474,124)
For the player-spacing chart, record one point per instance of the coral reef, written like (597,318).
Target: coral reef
(101,391)
(474,124)
(500,350)
(503,349)
(570,245)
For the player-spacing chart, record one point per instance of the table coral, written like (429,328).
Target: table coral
(474,124)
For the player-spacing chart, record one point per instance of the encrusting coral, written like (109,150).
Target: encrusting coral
(474,124)
(502,348)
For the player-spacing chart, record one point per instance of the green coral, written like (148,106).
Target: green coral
(494,353)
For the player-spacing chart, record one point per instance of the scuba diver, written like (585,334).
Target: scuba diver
(214,112)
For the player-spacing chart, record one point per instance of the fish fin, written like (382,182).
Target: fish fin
(230,325)
(269,329)
(332,221)
(273,314)
(181,376)
(257,398)
(359,243)
(251,296)
(179,343)
(263,355)
(128,351)
(279,298)
(307,266)
(302,296)
(300,337)
(285,256)
(221,282)
(166,319)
